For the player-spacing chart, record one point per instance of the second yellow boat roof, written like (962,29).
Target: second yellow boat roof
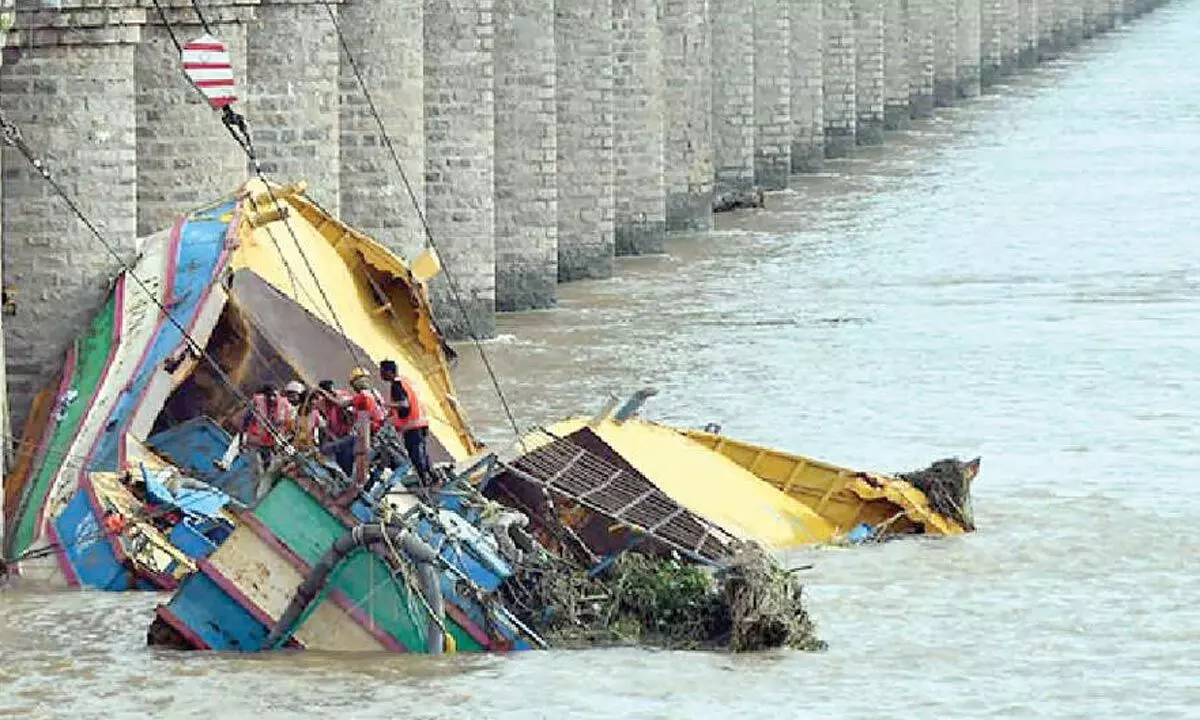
(709,484)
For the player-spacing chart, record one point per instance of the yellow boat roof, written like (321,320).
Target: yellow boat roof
(707,483)
(340,257)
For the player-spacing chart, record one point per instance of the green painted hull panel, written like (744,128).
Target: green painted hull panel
(308,529)
(93,356)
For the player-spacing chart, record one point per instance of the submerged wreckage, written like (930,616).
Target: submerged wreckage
(608,528)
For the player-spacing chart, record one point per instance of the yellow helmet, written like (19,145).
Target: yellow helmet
(359,373)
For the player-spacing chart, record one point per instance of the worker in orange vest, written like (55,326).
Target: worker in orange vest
(408,416)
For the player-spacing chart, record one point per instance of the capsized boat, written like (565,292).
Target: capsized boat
(740,491)
(264,286)
(931,502)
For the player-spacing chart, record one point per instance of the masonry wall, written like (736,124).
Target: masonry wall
(586,201)
(688,110)
(176,127)
(733,97)
(459,144)
(292,93)
(897,109)
(945,52)
(921,56)
(640,218)
(806,55)
(540,138)
(841,98)
(526,155)
(967,48)
(385,42)
(869,71)
(76,106)
(772,94)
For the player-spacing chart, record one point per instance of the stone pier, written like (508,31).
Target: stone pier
(459,160)
(586,199)
(945,52)
(869,66)
(841,95)
(919,19)
(967,48)
(688,110)
(897,74)
(734,125)
(540,138)
(70,85)
(641,205)
(772,94)
(806,54)
(526,160)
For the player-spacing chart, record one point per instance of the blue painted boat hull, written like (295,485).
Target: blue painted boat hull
(215,618)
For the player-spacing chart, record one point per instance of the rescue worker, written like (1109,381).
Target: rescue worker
(332,404)
(365,400)
(308,426)
(408,416)
(269,415)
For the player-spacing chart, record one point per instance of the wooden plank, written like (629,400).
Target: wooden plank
(270,581)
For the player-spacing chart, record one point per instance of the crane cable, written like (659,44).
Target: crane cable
(429,241)
(235,123)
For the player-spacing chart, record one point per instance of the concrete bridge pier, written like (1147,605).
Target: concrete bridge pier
(640,222)
(734,125)
(897,109)
(459,171)
(839,66)
(945,52)
(688,107)
(807,54)
(869,83)
(919,19)
(772,94)
(526,155)
(386,42)
(71,88)
(586,200)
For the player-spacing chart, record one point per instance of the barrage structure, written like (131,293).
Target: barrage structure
(541,138)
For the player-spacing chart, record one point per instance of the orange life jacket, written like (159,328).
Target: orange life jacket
(415,418)
(368,401)
(278,416)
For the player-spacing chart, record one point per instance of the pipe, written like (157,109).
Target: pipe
(367,536)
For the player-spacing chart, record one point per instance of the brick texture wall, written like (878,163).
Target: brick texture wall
(526,155)
(772,94)
(584,52)
(869,73)
(733,95)
(640,202)
(897,112)
(459,181)
(807,56)
(839,65)
(687,99)
(385,41)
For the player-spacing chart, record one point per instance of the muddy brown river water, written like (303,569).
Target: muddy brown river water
(1018,278)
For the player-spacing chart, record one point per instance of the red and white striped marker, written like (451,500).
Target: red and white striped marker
(206,63)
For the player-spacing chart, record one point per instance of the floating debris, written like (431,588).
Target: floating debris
(642,600)
(947,484)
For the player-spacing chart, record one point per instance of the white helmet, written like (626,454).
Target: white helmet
(294,386)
